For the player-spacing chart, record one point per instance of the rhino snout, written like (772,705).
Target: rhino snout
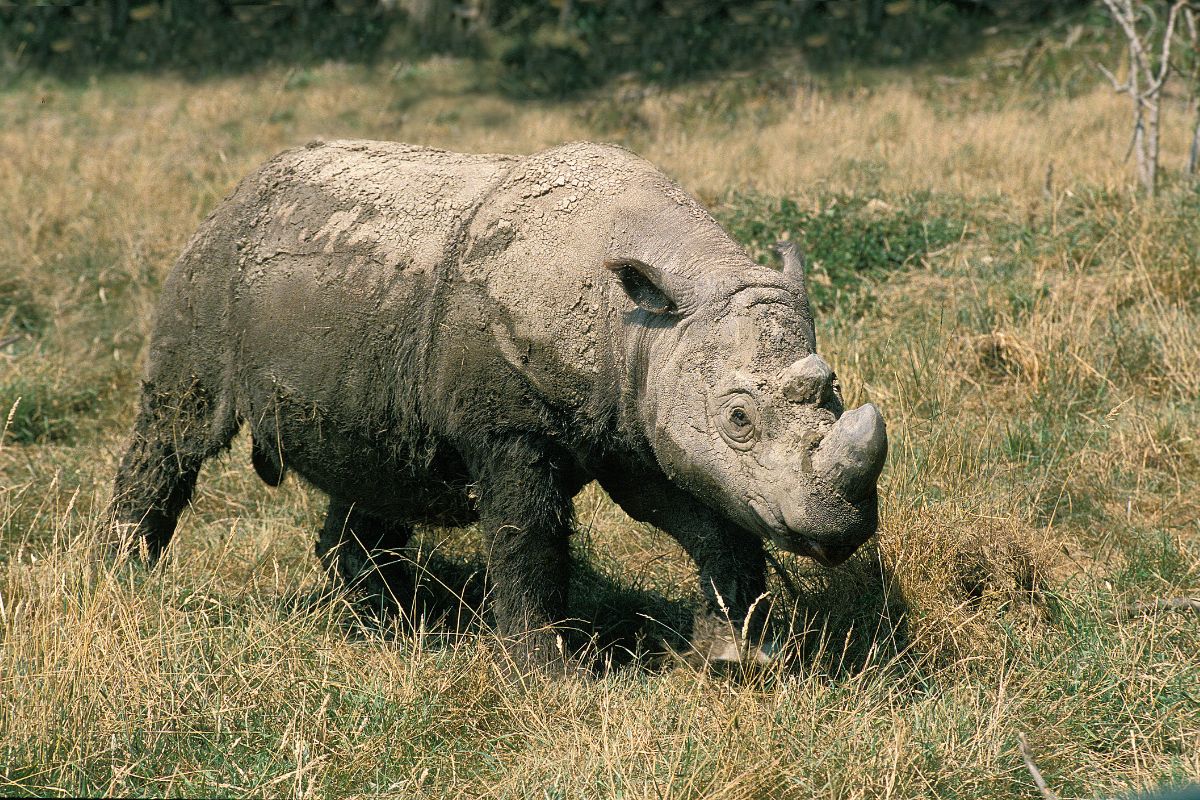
(850,457)
(840,509)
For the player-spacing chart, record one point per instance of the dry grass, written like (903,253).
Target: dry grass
(1041,388)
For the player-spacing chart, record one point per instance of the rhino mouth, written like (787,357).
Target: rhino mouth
(848,526)
(824,555)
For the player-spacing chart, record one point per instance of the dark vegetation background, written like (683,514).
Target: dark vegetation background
(542,48)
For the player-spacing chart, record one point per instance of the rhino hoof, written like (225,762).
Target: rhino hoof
(718,644)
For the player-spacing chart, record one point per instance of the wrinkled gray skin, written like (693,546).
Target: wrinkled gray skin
(432,337)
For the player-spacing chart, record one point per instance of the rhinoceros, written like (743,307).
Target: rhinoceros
(436,337)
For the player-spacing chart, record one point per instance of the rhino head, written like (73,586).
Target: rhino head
(741,411)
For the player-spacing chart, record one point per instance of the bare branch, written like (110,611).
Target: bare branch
(1118,13)
(1119,88)
(1147,76)
(1125,18)
(1046,791)
(1164,61)
(1193,38)
(1139,130)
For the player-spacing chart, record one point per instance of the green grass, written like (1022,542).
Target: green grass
(851,237)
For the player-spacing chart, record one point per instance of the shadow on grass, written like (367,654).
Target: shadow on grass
(848,619)
(840,622)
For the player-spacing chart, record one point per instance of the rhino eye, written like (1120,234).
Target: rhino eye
(738,421)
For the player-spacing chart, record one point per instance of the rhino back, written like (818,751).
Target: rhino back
(307,301)
(332,300)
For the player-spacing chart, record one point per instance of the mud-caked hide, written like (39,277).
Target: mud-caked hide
(433,337)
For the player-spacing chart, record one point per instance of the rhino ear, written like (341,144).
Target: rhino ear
(794,267)
(649,287)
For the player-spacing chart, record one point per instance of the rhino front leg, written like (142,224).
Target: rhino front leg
(362,550)
(526,516)
(731,562)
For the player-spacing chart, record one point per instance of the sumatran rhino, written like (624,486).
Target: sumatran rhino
(432,337)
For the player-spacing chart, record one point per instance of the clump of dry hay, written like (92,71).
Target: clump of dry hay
(961,575)
(997,357)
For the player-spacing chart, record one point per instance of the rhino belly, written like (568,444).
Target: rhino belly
(378,471)
(327,376)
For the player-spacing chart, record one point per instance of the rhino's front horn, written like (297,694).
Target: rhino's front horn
(851,455)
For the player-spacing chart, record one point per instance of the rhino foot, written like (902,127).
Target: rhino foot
(719,643)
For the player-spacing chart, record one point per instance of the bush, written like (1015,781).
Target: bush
(543,48)
(208,36)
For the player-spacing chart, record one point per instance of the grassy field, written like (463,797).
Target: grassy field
(1029,327)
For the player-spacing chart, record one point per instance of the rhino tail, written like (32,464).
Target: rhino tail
(268,463)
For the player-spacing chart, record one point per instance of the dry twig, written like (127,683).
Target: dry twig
(1161,604)
(1046,791)
(783,576)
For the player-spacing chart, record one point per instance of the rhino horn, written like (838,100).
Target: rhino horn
(795,267)
(850,457)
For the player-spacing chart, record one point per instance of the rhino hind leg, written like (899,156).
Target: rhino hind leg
(363,551)
(178,428)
